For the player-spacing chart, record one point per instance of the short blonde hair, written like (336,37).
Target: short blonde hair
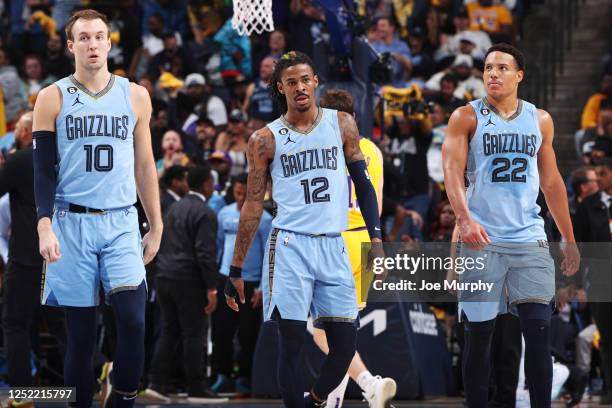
(87,14)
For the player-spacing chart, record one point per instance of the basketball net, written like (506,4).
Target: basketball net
(252,16)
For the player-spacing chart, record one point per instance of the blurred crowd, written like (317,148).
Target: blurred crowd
(208,87)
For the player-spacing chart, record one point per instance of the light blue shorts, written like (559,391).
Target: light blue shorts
(303,273)
(520,273)
(94,248)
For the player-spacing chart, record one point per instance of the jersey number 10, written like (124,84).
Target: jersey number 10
(100,157)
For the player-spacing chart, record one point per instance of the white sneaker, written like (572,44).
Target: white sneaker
(155,395)
(380,392)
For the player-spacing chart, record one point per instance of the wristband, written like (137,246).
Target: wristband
(229,290)
(235,271)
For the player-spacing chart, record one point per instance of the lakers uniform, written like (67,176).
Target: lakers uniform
(357,233)
(502,172)
(94,218)
(306,265)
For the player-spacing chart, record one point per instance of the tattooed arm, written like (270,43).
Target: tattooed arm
(260,152)
(350,138)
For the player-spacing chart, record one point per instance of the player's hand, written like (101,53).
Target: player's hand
(49,246)
(234,287)
(571,259)
(211,294)
(257,299)
(474,235)
(150,244)
(377,251)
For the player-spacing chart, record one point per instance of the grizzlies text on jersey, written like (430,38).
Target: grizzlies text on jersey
(502,171)
(96,145)
(309,176)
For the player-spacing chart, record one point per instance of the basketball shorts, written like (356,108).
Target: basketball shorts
(519,273)
(101,248)
(303,273)
(353,240)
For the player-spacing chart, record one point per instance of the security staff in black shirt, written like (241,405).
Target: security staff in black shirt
(23,273)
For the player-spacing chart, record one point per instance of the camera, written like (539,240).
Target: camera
(404,102)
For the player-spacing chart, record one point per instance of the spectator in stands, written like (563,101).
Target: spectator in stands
(445,97)
(235,51)
(221,163)
(157,102)
(57,62)
(159,126)
(257,102)
(206,135)
(597,141)
(442,227)
(164,60)
(410,140)
(226,322)
(479,41)
(174,186)
(10,84)
(305,18)
(34,79)
(187,274)
(469,86)
(173,13)
(234,141)
(584,183)
(434,153)
(389,42)
(590,114)
(276,47)
(422,62)
(495,19)
(173,154)
(195,99)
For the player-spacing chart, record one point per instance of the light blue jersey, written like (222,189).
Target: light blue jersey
(502,171)
(309,176)
(95,144)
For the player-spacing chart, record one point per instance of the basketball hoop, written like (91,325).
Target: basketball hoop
(252,16)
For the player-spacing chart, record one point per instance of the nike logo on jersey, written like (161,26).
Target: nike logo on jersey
(76,101)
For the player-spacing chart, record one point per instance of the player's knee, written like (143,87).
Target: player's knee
(535,311)
(318,335)
(478,327)
(342,340)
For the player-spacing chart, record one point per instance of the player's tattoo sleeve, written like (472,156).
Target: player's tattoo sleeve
(260,151)
(350,138)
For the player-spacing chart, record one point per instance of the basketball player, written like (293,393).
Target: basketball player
(305,152)
(94,128)
(504,144)
(376,390)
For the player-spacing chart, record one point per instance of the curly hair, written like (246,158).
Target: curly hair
(287,60)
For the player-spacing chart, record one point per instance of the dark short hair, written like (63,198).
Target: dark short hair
(519,57)
(197,176)
(241,178)
(338,99)
(579,177)
(450,78)
(172,173)
(287,60)
(606,104)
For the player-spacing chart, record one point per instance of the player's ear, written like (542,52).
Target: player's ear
(316,81)
(520,74)
(70,46)
(279,86)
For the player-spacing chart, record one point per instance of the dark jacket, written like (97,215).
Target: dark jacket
(17,179)
(188,249)
(592,230)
